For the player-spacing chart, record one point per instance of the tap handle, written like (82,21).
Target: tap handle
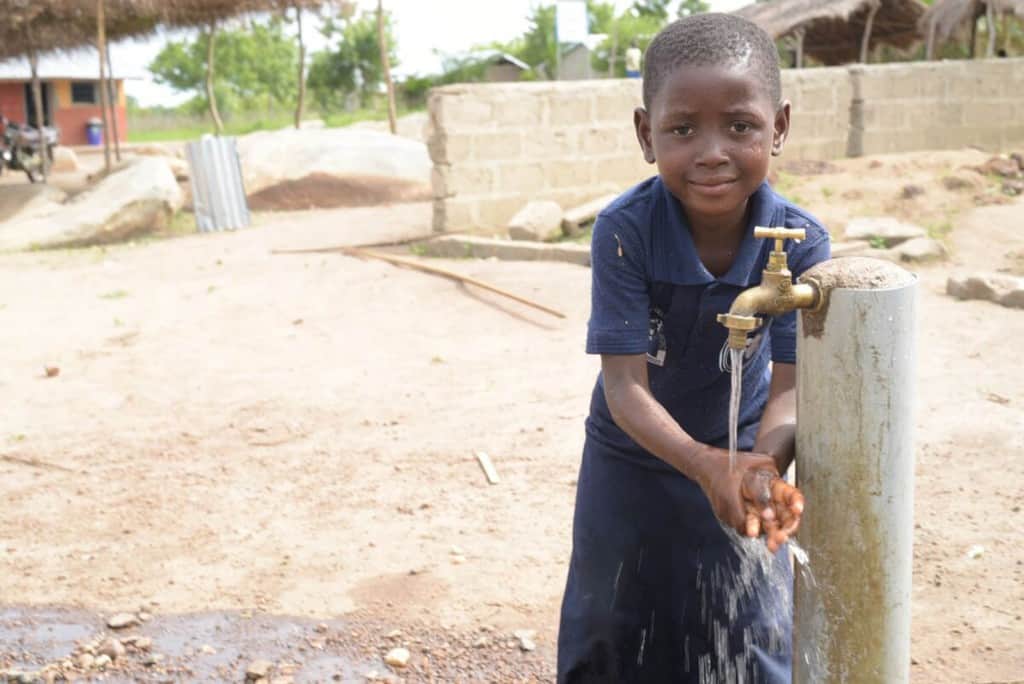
(779,235)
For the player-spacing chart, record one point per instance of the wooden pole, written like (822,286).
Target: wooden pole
(101,47)
(386,63)
(990,26)
(113,100)
(302,68)
(1005,21)
(211,96)
(866,41)
(615,49)
(800,48)
(37,100)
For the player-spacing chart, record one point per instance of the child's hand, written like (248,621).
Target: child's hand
(752,498)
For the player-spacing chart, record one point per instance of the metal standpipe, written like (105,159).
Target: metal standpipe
(855,466)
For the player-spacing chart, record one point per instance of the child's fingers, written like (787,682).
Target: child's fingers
(753,525)
(785,494)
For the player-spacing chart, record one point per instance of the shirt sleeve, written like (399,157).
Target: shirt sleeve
(619,309)
(783,328)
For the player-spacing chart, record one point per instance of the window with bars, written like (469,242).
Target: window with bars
(83,92)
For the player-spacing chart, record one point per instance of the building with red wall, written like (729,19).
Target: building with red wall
(70,93)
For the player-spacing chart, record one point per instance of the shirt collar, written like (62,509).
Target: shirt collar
(675,255)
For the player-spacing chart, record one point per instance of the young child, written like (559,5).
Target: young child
(658,589)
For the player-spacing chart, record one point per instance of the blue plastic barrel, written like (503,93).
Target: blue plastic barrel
(94,131)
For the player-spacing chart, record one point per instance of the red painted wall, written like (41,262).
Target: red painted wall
(71,121)
(12,100)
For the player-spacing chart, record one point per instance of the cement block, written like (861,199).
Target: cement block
(455,214)
(502,146)
(452,246)
(463,179)
(538,220)
(570,173)
(571,109)
(551,143)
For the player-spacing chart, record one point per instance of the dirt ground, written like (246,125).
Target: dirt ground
(287,442)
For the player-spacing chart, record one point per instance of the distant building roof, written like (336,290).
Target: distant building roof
(78,65)
(505,57)
(591,42)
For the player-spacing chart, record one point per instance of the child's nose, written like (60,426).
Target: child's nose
(713,152)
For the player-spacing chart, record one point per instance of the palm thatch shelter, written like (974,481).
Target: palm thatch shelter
(838,31)
(946,19)
(34,27)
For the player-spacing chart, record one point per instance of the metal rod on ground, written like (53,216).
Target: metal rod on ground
(426,268)
(101,47)
(855,465)
(112,99)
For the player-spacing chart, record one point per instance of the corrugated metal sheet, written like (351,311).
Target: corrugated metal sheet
(218,193)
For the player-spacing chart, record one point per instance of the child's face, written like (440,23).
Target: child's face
(712,131)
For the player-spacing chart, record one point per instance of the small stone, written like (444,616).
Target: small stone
(455,551)
(371,675)
(143,643)
(1001,166)
(458,560)
(976,551)
(122,621)
(85,661)
(911,191)
(112,648)
(963,181)
(145,617)
(207,649)
(397,657)
(993,287)
(152,659)
(393,634)
(482,642)
(526,638)
(1013,187)
(886,228)
(102,662)
(321,628)
(258,669)
(51,371)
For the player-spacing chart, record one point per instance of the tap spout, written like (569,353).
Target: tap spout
(774,296)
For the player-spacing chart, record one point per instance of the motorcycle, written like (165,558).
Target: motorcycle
(21,149)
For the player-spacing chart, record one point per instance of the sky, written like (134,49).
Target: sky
(422,28)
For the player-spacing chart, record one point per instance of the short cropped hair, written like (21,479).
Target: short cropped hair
(711,39)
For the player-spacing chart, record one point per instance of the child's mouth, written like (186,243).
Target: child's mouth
(713,187)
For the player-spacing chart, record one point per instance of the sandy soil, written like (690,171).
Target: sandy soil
(294,435)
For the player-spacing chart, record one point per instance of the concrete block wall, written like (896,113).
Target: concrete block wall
(497,146)
(941,105)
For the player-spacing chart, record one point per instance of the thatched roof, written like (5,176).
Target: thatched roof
(833,29)
(49,25)
(951,16)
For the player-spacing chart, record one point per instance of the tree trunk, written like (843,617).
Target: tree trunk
(866,42)
(211,97)
(101,47)
(974,37)
(929,52)
(302,68)
(37,99)
(385,62)
(615,49)
(990,26)
(1005,21)
(112,99)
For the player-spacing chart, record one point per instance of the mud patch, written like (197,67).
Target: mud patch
(323,191)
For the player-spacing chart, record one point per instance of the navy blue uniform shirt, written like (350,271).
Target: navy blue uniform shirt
(652,295)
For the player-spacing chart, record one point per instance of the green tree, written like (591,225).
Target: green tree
(622,31)
(690,7)
(256,67)
(354,65)
(537,46)
(651,9)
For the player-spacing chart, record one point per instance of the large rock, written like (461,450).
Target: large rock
(271,157)
(889,230)
(991,287)
(138,198)
(539,220)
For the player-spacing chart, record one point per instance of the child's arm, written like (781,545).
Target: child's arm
(749,498)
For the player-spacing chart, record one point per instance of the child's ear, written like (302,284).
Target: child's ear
(781,131)
(642,123)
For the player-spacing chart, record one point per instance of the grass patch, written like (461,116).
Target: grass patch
(114,294)
(940,230)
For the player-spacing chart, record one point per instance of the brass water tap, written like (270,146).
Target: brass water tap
(775,295)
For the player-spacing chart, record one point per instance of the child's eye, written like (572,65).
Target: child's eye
(741,127)
(683,130)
